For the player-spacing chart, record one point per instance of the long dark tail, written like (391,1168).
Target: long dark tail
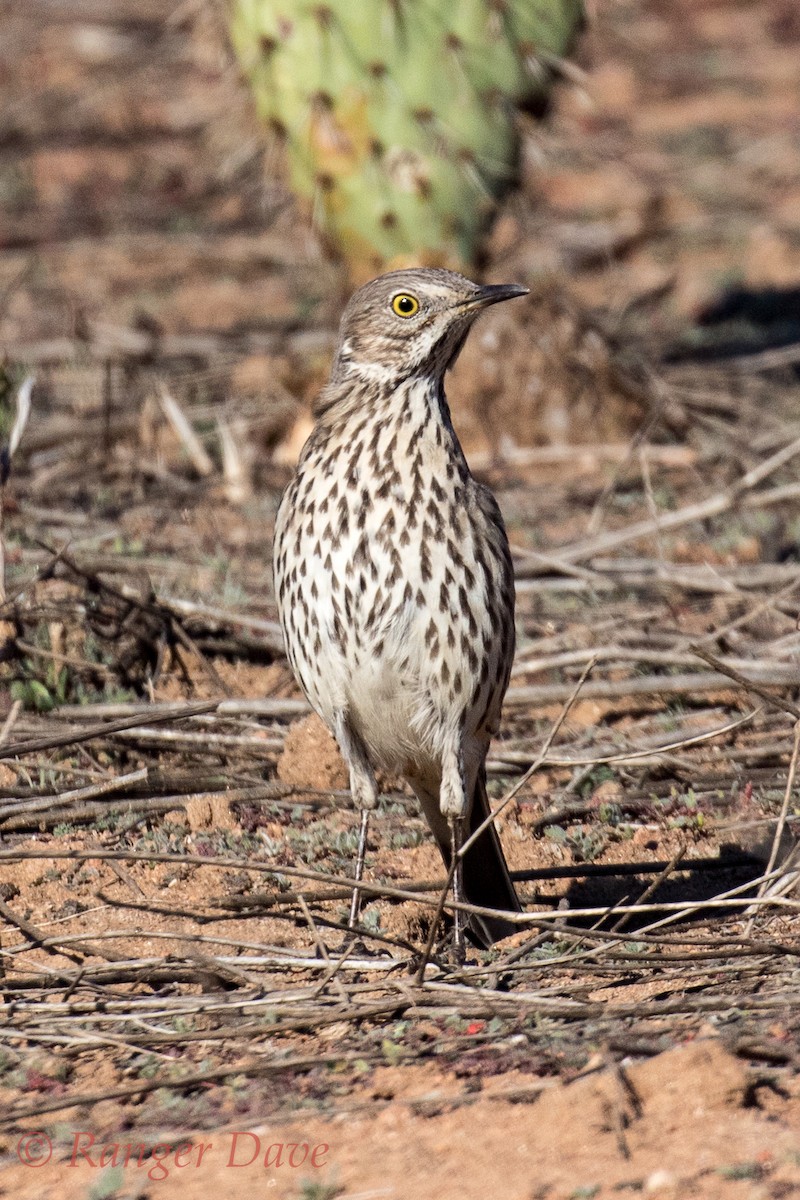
(486,879)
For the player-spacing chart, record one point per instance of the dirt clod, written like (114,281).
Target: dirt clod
(311,758)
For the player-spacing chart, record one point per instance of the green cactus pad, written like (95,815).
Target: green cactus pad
(398,115)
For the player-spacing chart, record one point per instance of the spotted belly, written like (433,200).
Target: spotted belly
(394,582)
(394,631)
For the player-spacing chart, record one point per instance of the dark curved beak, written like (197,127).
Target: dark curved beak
(494,293)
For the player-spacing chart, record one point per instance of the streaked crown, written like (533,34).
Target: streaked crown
(411,322)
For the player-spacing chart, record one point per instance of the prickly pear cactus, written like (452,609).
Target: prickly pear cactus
(397,115)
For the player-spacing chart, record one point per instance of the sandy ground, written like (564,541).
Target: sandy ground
(668,171)
(690,1123)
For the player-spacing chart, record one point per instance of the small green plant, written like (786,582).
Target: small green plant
(32,694)
(7,1061)
(130,547)
(391,1051)
(610,814)
(64,829)
(406,839)
(593,780)
(371,919)
(689,815)
(108,1185)
(147,1066)
(743,1170)
(313,1189)
(586,843)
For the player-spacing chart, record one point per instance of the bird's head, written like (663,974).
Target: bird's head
(411,322)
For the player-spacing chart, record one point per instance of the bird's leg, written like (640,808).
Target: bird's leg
(364,791)
(453,805)
(355,902)
(456,842)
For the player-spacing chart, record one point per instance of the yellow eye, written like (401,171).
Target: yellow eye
(405,305)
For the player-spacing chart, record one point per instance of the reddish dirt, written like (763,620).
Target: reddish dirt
(688,1125)
(133,201)
(310,757)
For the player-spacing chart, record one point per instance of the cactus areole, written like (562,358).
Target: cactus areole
(398,115)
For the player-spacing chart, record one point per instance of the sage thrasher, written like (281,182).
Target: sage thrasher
(394,578)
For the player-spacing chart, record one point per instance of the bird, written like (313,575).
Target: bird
(394,580)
